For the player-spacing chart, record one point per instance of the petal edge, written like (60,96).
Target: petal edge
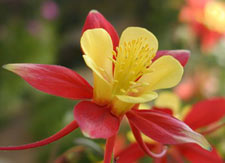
(53,79)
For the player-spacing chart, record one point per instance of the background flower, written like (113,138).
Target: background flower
(192,115)
(206,18)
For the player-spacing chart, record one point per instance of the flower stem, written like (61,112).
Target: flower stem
(109,149)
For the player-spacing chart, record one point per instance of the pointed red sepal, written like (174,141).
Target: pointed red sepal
(96,20)
(164,128)
(65,131)
(206,112)
(143,145)
(195,154)
(165,110)
(110,142)
(181,55)
(96,121)
(53,79)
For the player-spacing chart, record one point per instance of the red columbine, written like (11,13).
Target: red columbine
(207,19)
(126,72)
(201,115)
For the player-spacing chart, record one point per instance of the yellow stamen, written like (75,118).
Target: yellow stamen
(132,61)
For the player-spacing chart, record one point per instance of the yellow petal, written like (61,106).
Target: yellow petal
(134,33)
(169,100)
(166,72)
(139,99)
(102,91)
(98,49)
(91,64)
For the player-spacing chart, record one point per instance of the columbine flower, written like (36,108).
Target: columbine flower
(201,115)
(207,19)
(123,78)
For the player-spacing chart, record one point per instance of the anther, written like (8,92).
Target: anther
(132,82)
(122,90)
(101,69)
(114,53)
(134,90)
(115,81)
(112,59)
(145,83)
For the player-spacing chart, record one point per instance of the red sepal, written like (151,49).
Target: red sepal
(143,145)
(96,20)
(195,154)
(53,79)
(181,55)
(96,121)
(206,112)
(164,128)
(164,110)
(65,131)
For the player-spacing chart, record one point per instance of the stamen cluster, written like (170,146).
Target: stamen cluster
(132,61)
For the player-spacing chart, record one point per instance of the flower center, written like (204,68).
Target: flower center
(132,61)
(215,16)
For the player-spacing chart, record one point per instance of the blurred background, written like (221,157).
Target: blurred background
(49,32)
